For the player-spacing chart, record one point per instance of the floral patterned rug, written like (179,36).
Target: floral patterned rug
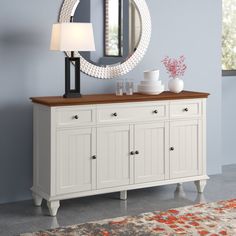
(211,219)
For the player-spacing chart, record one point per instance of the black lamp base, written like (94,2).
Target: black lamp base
(72,93)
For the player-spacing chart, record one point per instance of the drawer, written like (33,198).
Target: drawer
(75,116)
(130,113)
(185,109)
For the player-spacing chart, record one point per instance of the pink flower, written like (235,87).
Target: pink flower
(175,67)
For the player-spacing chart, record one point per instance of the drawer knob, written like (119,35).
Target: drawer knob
(114,114)
(76,117)
(186,109)
(172,149)
(132,153)
(94,157)
(137,152)
(155,112)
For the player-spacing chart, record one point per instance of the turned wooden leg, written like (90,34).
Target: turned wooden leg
(37,199)
(123,195)
(53,207)
(200,184)
(179,192)
(179,186)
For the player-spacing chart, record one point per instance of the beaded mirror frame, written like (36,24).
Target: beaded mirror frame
(112,71)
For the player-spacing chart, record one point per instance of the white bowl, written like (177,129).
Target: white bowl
(151,87)
(151,91)
(151,83)
(151,75)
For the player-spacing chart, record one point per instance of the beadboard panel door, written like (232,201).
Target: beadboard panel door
(114,145)
(151,142)
(185,148)
(75,166)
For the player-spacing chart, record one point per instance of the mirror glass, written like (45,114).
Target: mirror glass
(117,29)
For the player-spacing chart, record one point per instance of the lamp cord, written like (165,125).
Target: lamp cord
(72,53)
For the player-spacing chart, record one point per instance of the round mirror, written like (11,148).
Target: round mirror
(122,30)
(116,26)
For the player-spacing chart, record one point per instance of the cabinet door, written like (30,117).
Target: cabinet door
(151,142)
(185,148)
(113,156)
(75,166)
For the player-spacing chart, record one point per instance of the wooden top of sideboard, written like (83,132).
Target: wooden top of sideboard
(112,98)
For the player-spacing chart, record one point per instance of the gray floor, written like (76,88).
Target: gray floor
(16,218)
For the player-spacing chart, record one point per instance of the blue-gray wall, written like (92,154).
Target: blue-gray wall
(228,120)
(28,68)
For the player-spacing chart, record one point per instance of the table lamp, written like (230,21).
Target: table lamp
(71,37)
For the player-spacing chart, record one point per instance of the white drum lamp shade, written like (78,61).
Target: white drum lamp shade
(72,37)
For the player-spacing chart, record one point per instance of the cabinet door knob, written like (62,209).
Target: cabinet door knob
(155,112)
(137,152)
(114,114)
(172,149)
(132,153)
(76,117)
(94,157)
(186,109)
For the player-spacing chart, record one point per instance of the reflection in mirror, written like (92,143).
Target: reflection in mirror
(117,29)
(112,24)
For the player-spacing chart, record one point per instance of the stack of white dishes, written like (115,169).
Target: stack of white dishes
(151,84)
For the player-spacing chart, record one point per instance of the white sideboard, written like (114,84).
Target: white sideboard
(102,143)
